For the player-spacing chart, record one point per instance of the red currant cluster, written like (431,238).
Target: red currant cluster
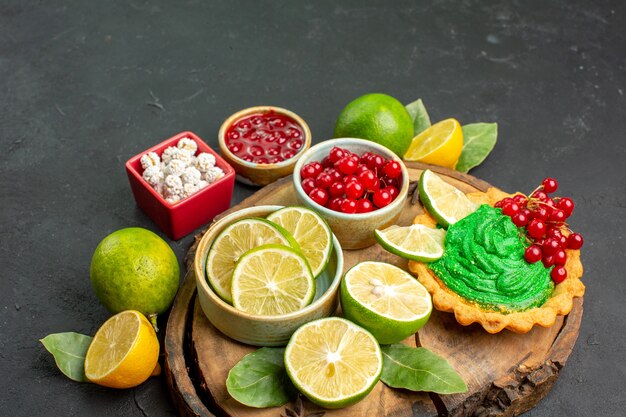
(544,220)
(350,183)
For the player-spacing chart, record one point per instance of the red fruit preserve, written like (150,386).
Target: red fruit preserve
(265,138)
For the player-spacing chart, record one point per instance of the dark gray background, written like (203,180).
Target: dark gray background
(76,76)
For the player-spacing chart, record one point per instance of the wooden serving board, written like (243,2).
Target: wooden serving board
(507,373)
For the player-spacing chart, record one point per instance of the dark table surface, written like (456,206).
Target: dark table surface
(76,79)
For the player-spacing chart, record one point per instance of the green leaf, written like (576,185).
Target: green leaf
(260,379)
(419,115)
(478,141)
(69,350)
(419,369)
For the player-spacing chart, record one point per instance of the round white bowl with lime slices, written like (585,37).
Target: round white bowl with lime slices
(262,330)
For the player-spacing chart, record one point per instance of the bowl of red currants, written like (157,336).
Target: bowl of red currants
(356,185)
(263,143)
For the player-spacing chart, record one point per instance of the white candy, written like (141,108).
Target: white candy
(186,157)
(213,174)
(189,189)
(201,184)
(173,199)
(149,160)
(205,161)
(191,176)
(172,186)
(176,167)
(169,154)
(153,175)
(188,144)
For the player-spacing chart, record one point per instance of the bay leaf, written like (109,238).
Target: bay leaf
(478,141)
(419,115)
(69,350)
(260,380)
(419,369)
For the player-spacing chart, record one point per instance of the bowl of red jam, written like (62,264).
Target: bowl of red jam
(263,143)
(356,185)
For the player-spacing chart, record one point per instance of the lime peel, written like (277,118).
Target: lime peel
(416,242)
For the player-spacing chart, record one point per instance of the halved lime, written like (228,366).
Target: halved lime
(416,242)
(333,362)
(272,280)
(310,231)
(446,203)
(386,300)
(233,242)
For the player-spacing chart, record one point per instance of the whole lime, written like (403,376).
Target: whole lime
(134,269)
(379,118)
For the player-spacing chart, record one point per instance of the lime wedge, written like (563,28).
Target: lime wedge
(310,231)
(272,280)
(233,242)
(333,362)
(386,300)
(416,242)
(446,203)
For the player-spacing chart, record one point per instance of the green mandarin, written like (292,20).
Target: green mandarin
(484,263)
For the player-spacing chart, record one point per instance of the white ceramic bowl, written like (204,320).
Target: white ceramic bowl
(354,231)
(263,330)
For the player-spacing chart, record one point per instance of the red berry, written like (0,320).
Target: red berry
(346,166)
(381,198)
(392,169)
(323,180)
(336,153)
(393,191)
(560,257)
(365,157)
(520,219)
(376,162)
(567,205)
(536,228)
(547,260)
(520,199)
(348,206)
(326,162)
(337,189)
(575,241)
(510,208)
(319,195)
(308,184)
(363,205)
(507,200)
(355,158)
(527,213)
(335,203)
(557,216)
(498,204)
(336,175)
(563,241)
(533,254)
(389,182)
(354,189)
(554,232)
(309,171)
(349,178)
(367,178)
(551,246)
(361,168)
(558,274)
(549,185)
(540,213)
(540,195)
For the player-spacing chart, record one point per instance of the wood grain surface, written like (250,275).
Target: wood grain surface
(506,373)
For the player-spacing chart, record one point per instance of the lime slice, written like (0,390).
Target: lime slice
(443,201)
(333,362)
(416,242)
(310,231)
(386,300)
(233,242)
(272,280)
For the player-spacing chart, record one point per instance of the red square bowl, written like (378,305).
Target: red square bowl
(181,218)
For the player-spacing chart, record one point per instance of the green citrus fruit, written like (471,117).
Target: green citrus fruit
(134,269)
(385,300)
(446,203)
(379,118)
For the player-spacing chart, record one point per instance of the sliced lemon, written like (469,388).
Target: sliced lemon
(272,280)
(446,203)
(441,144)
(310,231)
(416,242)
(124,352)
(333,362)
(233,242)
(386,300)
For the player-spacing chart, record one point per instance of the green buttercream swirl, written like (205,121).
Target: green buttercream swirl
(484,263)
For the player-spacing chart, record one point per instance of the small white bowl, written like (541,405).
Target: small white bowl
(354,231)
(263,330)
